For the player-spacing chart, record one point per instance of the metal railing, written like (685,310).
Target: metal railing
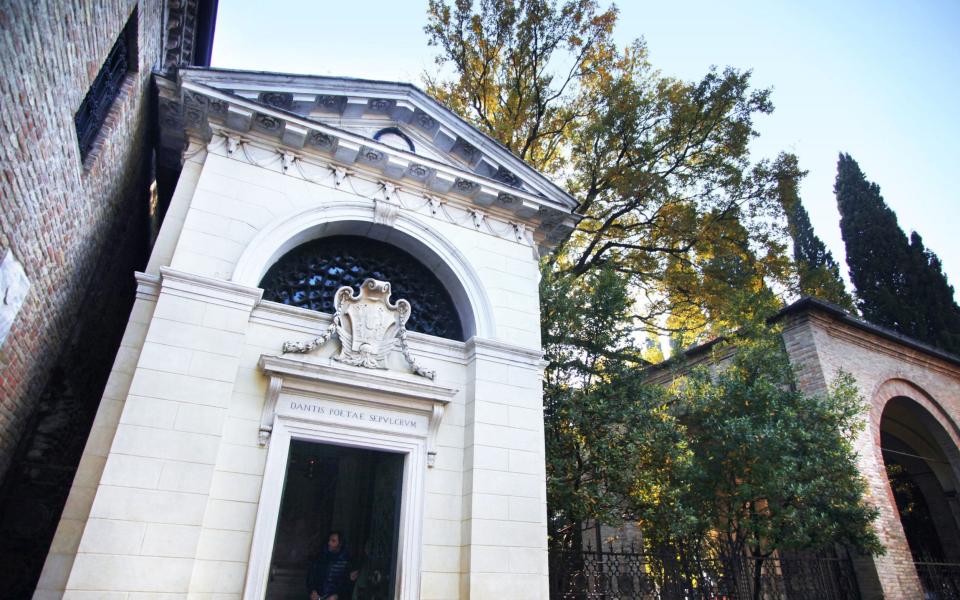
(623,573)
(940,580)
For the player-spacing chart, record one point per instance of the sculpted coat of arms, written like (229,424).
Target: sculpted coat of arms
(369,327)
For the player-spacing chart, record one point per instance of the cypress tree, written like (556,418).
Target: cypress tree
(941,319)
(899,283)
(818,273)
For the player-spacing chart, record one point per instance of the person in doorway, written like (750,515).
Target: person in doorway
(329,577)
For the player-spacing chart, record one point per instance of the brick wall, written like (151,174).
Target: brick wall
(821,344)
(59,216)
(820,347)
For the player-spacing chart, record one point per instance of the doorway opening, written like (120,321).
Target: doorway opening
(922,479)
(353,491)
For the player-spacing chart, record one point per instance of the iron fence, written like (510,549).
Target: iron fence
(625,574)
(940,580)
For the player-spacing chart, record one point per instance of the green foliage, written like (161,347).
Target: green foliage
(587,382)
(669,195)
(661,166)
(519,67)
(938,316)
(585,322)
(771,468)
(899,283)
(818,274)
(727,461)
(611,450)
(682,234)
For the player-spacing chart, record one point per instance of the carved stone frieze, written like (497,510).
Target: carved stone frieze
(217,107)
(387,209)
(194,117)
(282,100)
(368,326)
(465,186)
(372,156)
(478,177)
(171,113)
(465,150)
(268,123)
(424,121)
(194,98)
(320,139)
(506,176)
(181,32)
(419,172)
(379,105)
(385,213)
(331,103)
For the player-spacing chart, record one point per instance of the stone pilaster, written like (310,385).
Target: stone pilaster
(505,531)
(143,532)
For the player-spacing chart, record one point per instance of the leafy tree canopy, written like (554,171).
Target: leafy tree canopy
(725,462)
(660,166)
(519,68)
(772,468)
(683,234)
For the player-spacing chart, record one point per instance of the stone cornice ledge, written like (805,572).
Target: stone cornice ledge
(503,352)
(148,286)
(356,385)
(254,107)
(898,350)
(343,381)
(208,289)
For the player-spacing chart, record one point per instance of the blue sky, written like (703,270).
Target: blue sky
(879,80)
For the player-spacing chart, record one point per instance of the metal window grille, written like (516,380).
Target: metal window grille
(309,276)
(93,111)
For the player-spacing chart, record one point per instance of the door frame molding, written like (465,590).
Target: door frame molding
(295,384)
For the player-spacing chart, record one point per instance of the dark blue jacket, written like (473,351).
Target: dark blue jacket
(328,574)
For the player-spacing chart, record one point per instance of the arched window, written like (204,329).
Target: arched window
(309,275)
(395,138)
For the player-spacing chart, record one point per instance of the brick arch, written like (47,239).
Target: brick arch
(938,424)
(894,571)
(947,434)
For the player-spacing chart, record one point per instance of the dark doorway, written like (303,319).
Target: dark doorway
(921,476)
(351,490)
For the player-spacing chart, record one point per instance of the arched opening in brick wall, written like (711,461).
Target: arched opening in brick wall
(922,464)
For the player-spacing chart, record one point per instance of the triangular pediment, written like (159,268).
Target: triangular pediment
(391,132)
(397,115)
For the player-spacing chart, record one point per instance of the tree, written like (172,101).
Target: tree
(818,274)
(941,315)
(899,283)
(770,468)
(585,335)
(682,234)
(661,166)
(507,80)
(727,462)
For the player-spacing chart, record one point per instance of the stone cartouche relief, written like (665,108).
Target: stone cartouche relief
(368,326)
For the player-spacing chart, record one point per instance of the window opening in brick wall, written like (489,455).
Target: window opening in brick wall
(96,105)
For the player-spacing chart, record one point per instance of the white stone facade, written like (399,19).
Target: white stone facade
(177,493)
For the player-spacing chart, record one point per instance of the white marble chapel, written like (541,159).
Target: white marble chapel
(338,329)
